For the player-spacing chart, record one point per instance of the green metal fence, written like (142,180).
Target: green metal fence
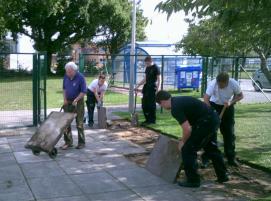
(22,89)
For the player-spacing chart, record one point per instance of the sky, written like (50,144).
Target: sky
(159,29)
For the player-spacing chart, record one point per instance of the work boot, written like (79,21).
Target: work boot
(223,179)
(90,125)
(204,161)
(233,163)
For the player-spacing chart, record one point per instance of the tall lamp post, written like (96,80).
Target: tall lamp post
(132,59)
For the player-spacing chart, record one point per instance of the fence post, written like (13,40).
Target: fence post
(44,71)
(204,75)
(232,68)
(38,78)
(236,69)
(212,68)
(35,89)
(162,77)
(81,63)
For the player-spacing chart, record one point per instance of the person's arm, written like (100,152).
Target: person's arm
(158,82)
(209,92)
(96,95)
(78,98)
(206,99)
(238,94)
(102,95)
(103,92)
(65,101)
(237,98)
(186,127)
(64,97)
(140,83)
(82,93)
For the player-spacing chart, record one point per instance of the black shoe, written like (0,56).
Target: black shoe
(144,123)
(189,184)
(233,163)
(204,162)
(80,146)
(223,179)
(90,125)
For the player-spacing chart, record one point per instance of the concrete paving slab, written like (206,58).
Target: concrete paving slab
(165,159)
(97,183)
(3,140)
(95,148)
(28,157)
(163,193)
(15,190)
(7,159)
(42,169)
(126,195)
(114,162)
(71,153)
(17,146)
(73,198)
(138,177)
(123,147)
(53,187)
(10,172)
(18,139)
(79,166)
(5,148)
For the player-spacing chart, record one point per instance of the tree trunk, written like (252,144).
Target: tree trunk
(264,67)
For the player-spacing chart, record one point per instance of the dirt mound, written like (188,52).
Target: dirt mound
(245,182)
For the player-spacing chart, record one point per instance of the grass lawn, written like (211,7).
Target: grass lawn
(253,139)
(18,93)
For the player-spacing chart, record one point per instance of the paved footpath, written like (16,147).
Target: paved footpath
(98,172)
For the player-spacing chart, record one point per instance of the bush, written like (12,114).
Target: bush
(92,69)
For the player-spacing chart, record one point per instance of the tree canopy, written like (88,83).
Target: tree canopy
(53,25)
(225,27)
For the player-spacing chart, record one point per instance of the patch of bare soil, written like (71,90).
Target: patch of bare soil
(245,181)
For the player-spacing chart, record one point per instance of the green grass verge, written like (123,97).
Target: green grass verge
(253,128)
(16,94)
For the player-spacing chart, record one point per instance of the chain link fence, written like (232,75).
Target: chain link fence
(20,84)
(182,72)
(245,70)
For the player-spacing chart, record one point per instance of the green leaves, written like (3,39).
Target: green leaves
(73,20)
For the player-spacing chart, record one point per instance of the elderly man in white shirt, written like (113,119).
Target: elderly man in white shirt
(95,94)
(225,92)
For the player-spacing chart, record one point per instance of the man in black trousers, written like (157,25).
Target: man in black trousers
(199,125)
(224,92)
(151,84)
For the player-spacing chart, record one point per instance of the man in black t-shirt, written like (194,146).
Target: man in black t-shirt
(151,86)
(199,124)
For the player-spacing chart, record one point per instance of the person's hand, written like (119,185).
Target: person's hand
(74,103)
(227,104)
(65,102)
(99,104)
(180,145)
